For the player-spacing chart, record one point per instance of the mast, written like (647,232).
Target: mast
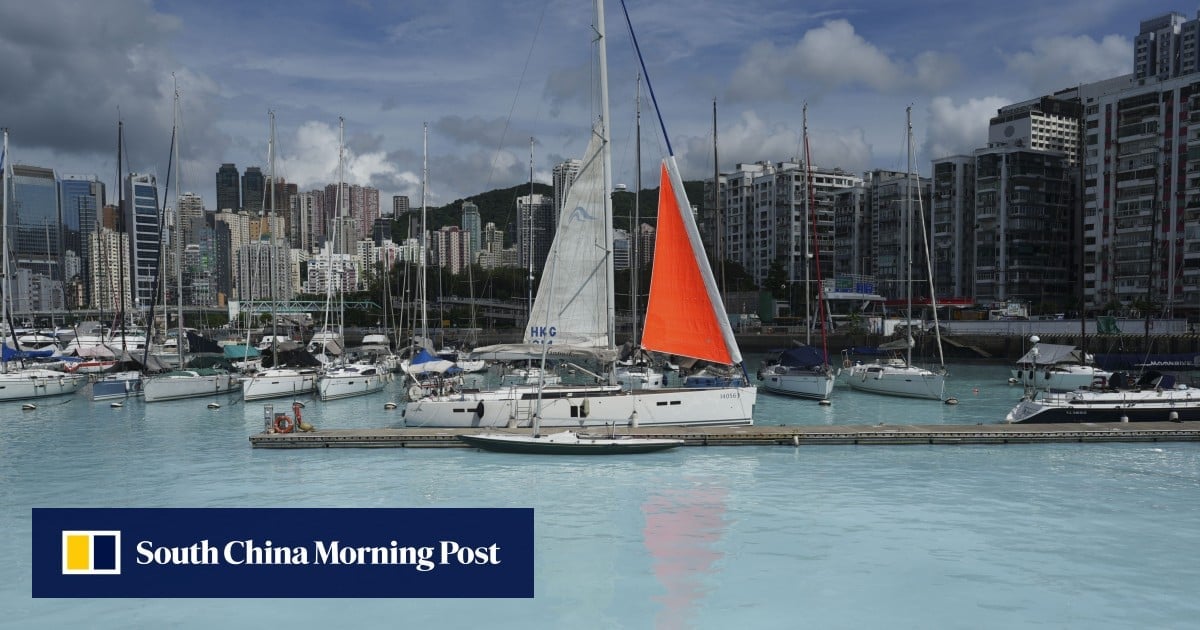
(816,244)
(637,200)
(424,290)
(271,242)
(122,237)
(178,247)
(908,236)
(4,244)
(717,204)
(808,214)
(529,244)
(602,51)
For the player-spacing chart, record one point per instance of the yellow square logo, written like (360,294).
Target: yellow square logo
(91,552)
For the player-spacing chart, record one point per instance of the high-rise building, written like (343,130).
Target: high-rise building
(141,223)
(191,207)
(399,205)
(471,225)
(1156,49)
(264,272)
(229,188)
(34,218)
(564,175)
(254,185)
(449,248)
(81,197)
(109,253)
(953,211)
(535,230)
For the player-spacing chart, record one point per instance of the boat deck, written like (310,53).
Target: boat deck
(879,434)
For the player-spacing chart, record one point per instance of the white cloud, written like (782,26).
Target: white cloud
(834,56)
(312,161)
(958,129)
(1055,63)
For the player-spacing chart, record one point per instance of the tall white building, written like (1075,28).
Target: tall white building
(564,175)
(109,253)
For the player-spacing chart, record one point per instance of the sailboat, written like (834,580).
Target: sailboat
(804,371)
(288,371)
(20,383)
(573,315)
(193,382)
(896,375)
(341,379)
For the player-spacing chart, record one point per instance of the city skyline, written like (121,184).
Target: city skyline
(458,65)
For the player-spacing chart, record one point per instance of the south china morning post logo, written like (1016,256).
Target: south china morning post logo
(91,552)
(265,552)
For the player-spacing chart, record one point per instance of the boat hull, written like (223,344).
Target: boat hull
(905,382)
(567,443)
(271,384)
(798,383)
(587,407)
(335,387)
(39,384)
(117,385)
(162,388)
(1124,406)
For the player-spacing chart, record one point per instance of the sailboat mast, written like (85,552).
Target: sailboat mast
(602,43)
(529,226)
(424,232)
(4,243)
(178,246)
(271,252)
(720,257)
(908,235)
(637,202)
(807,246)
(816,245)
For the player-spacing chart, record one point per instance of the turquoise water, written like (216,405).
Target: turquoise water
(1057,536)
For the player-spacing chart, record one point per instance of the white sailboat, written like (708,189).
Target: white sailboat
(896,375)
(19,383)
(804,371)
(339,379)
(291,371)
(185,383)
(573,315)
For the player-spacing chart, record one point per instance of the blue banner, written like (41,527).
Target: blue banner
(283,552)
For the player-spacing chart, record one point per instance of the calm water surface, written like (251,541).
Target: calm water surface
(1053,536)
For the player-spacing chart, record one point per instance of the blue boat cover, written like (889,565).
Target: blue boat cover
(801,356)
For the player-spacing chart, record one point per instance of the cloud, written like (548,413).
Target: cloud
(834,56)
(1055,63)
(67,71)
(312,161)
(958,129)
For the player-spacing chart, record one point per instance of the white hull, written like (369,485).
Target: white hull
(25,384)
(348,381)
(890,380)
(1062,379)
(176,387)
(797,382)
(587,407)
(277,383)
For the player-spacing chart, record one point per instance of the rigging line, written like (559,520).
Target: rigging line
(649,85)
(537,29)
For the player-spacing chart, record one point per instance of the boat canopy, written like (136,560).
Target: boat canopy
(1050,354)
(801,356)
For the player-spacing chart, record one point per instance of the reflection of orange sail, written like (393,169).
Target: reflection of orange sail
(681,530)
(681,318)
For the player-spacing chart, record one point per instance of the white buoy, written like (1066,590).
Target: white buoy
(117,405)
(213,405)
(824,402)
(29,406)
(1124,418)
(951,401)
(389,405)
(1174,417)
(795,440)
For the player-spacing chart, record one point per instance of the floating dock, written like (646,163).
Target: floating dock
(879,434)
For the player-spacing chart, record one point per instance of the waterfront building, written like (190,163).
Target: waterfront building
(109,253)
(953,227)
(536,223)
(264,272)
(142,224)
(564,175)
(81,198)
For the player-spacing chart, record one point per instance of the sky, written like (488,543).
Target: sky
(486,77)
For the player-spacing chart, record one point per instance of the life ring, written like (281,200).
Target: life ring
(284,424)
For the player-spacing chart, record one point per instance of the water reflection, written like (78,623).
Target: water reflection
(683,527)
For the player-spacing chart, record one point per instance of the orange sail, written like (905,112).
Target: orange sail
(685,315)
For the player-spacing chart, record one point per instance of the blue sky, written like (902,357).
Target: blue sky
(487,76)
